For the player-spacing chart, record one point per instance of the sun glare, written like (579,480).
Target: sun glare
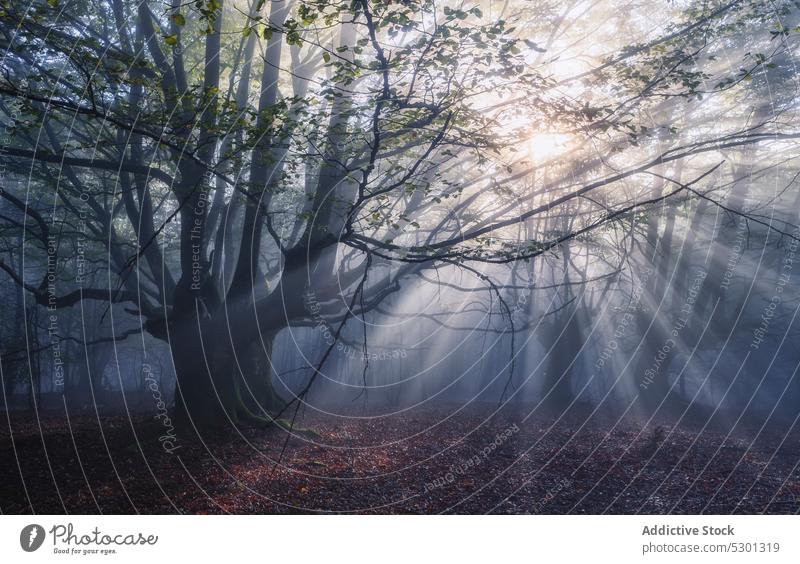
(545,146)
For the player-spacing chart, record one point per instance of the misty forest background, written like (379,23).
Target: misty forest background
(314,255)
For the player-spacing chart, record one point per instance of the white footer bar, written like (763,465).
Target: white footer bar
(399,539)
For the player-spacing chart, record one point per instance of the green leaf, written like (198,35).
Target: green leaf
(178,19)
(171,40)
(326,56)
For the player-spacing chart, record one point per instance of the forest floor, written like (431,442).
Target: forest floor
(445,459)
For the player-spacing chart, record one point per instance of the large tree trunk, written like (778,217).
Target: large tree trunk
(257,390)
(557,387)
(204,394)
(85,387)
(223,369)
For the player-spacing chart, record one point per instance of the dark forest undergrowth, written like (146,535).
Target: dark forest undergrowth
(424,461)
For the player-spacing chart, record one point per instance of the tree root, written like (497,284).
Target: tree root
(248,417)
